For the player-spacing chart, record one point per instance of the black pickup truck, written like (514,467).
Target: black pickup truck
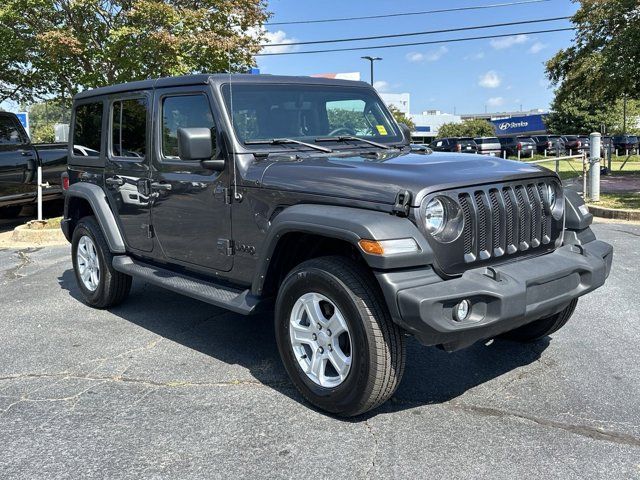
(19,160)
(248,190)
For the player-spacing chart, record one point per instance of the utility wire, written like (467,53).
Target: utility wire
(395,45)
(412,34)
(405,14)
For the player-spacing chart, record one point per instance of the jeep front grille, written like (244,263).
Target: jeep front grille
(493,227)
(500,222)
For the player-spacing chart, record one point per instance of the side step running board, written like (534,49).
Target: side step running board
(239,301)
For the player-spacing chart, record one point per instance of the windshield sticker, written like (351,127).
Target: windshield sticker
(381,129)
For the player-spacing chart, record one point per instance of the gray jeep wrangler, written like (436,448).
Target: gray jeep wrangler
(244,191)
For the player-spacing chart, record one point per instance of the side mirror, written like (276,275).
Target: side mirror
(196,144)
(406,132)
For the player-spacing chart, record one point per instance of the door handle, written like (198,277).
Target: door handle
(160,186)
(114,181)
(26,153)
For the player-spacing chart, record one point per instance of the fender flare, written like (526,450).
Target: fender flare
(576,218)
(348,224)
(95,196)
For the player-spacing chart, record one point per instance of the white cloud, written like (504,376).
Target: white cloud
(415,56)
(508,42)
(278,36)
(491,79)
(537,48)
(495,101)
(381,86)
(430,56)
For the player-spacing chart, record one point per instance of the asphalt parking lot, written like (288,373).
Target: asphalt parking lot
(167,387)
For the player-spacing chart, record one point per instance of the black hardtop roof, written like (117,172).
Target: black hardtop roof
(218,78)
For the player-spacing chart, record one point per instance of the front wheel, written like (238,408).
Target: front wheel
(336,339)
(541,328)
(101,285)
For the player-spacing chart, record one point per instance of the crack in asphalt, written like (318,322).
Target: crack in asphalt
(594,433)
(23,257)
(627,232)
(374,454)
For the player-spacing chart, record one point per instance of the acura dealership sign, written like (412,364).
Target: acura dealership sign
(519,125)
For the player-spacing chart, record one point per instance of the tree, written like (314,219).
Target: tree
(400,117)
(467,128)
(602,63)
(43,116)
(576,113)
(59,47)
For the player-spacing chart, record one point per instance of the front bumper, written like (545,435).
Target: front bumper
(503,297)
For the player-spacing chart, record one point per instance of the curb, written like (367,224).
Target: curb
(629,215)
(45,235)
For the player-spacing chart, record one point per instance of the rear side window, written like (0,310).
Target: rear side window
(185,111)
(10,134)
(129,128)
(87,128)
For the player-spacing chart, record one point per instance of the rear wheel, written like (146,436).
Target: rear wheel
(100,284)
(336,338)
(541,328)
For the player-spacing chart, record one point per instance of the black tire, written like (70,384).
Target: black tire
(113,286)
(10,212)
(541,328)
(378,347)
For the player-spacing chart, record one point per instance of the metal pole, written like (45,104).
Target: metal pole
(584,176)
(624,114)
(594,191)
(371,60)
(39,179)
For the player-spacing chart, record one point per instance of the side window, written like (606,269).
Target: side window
(10,134)
(185,111)
(129,128)
(87,129)
(439,144)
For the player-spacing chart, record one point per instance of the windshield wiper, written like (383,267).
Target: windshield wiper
(347,138)
(280,141)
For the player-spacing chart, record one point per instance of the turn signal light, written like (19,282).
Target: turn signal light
(389,247)
(372,247)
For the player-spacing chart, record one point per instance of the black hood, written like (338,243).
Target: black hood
(365,177)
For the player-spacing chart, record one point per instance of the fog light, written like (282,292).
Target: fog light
(462,310)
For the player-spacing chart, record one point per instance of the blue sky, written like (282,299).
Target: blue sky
(498,75)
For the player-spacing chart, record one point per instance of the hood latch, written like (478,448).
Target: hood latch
(403,204)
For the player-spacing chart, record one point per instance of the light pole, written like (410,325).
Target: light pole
(371,60)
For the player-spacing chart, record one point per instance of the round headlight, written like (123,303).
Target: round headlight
(555,200)
(434,216)
(443,219)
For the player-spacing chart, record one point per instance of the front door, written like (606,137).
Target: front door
(127,167)
(17,161)
(191,218)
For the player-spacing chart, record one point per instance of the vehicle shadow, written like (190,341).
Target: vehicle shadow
(431,375)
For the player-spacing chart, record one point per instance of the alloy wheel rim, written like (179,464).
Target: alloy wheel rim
(88,263)
(320,340)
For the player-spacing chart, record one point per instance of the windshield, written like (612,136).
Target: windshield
(307,112)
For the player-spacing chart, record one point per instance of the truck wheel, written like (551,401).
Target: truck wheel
(541,328)
(10,212)
(336,338)
(100,284)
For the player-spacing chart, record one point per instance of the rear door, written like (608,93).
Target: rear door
(127,170)
(18,161)
(191,217)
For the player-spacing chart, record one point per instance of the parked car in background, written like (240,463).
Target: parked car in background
(552,144)
(488,145)
(512,145)
(455,144)
(19,160)
(585,143)
(572,144)
(624,143)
